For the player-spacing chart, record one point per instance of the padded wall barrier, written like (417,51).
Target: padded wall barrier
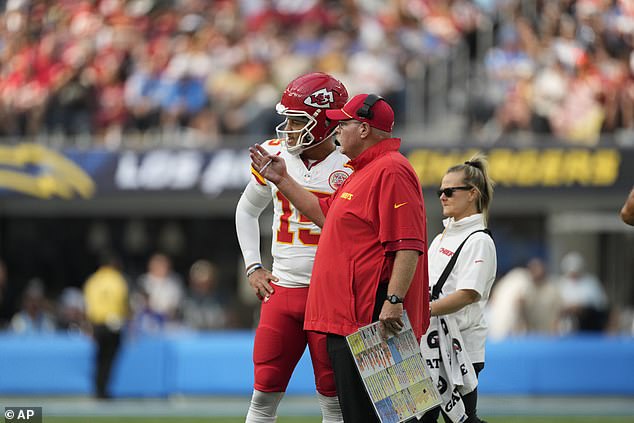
(220,363)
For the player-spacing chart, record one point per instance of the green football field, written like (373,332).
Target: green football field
(304,409)
(497,419)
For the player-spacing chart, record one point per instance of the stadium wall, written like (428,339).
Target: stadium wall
(200,364)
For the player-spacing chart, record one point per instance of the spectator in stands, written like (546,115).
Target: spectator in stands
(525,300)
(33,317)
(373,71)
(613,73)
(580,117)
(203,308)
(71,107)
(184,99)
(503,308)
(549,91)
(508,69)
(585,304)
(143,87)
(111,115)
(242,93)
(626,99)
(71,312)
(627,211)
(541,306)
(164,287)
(144,321)
(107,309)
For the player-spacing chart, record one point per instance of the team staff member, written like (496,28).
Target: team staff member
(627,212)
(465,195)
(369,264)
(106,298)
(305,140)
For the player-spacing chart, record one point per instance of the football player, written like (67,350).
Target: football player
(306,142)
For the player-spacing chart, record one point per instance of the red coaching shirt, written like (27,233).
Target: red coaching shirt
(377,211)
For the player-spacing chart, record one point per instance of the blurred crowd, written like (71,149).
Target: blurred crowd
(531,299)
(195,72)
(112,308)
(158,301)
(563,69)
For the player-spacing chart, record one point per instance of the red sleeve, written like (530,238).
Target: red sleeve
(401,209)
(404,244)
(325,203)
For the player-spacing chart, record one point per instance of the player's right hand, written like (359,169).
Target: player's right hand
(260,283)
(269,166)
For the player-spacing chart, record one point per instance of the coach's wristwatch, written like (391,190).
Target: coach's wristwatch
(394,299)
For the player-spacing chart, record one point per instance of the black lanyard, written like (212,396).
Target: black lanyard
(445,274)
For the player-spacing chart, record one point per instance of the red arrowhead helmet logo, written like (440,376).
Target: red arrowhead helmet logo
(321,99)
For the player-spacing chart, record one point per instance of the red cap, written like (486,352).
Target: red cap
(382,114)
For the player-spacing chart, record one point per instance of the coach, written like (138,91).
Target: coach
(370,263)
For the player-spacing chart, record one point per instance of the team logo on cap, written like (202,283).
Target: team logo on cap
(321,99)
(337,178)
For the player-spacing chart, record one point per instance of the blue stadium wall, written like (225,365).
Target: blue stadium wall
(220,364)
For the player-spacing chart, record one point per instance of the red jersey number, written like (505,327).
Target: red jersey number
(284,234)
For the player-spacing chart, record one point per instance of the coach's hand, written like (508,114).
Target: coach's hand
(259,281)
(391,318)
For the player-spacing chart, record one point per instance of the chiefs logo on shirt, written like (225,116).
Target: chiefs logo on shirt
(321,99)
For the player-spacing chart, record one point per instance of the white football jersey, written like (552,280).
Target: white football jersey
(295,237)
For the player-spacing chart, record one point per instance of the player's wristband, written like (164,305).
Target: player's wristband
(253,268)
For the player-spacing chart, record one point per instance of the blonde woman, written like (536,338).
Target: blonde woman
(460,293)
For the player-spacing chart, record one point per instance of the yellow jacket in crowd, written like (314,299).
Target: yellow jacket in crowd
(106,293)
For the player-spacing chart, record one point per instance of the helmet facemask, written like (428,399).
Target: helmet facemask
(306,99)
(303,137)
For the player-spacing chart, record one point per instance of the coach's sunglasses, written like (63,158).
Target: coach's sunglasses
(449,191)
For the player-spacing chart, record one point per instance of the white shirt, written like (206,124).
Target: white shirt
(503,309)
(475,269)
(584,291)
(165,293)
(295,237)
